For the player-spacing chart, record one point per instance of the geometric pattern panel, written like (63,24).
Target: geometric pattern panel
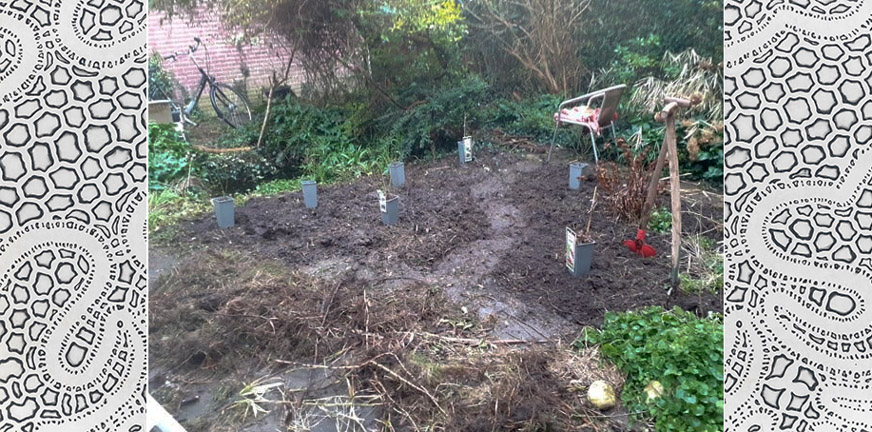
(73,214)
(798,214)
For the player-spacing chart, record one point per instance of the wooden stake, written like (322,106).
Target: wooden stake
(266,115)
(675,195)
(590,212)
(652,187)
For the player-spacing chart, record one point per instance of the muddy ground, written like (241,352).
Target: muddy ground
(492,228)
(488,236)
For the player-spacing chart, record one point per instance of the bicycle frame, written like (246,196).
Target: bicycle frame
(215,88)
(195,99)
(205,79)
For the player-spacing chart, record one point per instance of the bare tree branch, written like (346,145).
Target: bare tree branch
(538,34)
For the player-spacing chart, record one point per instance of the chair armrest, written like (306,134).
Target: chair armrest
(578,99)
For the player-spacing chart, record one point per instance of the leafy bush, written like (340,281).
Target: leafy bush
(700,145)
(275,187)
(325,164)
(169,156)
(301,139)
(681,351)
(661,221)
(233,172)
(437,123)
(679,24)
(161,83)
(704,158)
(635,59)
(533,118)
(295,127)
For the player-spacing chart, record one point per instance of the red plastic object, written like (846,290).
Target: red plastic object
(639,247)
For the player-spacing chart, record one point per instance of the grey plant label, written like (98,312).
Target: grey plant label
(798,206)
(382,201)
(571,241)
(467,148)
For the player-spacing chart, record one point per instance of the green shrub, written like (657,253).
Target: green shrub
(233,172)
(708,164)
(661,221)
(437,123)
(532,117)
(635,59)
(324,163)
(301,139)
(679,25)
(161,82)
(169,156)
(681,351)
(701,155)
(296,127)
(278,186)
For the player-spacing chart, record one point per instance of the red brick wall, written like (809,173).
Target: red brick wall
(228,62)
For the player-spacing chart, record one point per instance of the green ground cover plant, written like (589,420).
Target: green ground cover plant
(169,156)
(681,351)
(661,221)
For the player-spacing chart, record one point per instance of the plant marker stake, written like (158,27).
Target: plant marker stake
(464,147)
(575,171)
(390,208)
(310,193)
(571,240)
(398,174)
(578,256)
(224,211)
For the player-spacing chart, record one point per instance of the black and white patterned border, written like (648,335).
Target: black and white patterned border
(798,215)
(73,214)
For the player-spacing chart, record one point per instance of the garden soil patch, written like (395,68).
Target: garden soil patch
(493,231)
(458,317)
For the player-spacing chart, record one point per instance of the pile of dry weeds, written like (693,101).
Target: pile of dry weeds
(397,346)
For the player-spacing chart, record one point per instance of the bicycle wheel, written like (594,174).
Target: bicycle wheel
(230,105)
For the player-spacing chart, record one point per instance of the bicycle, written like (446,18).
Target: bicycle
(229,104)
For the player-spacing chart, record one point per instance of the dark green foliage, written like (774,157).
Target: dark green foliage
(532,117)
(709,165)
(233,172)
(635,59)
(295,127)
(679,24)
(661,221)
(168,156)
(302,140)
(681,351)
(161,83)
(437,123)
